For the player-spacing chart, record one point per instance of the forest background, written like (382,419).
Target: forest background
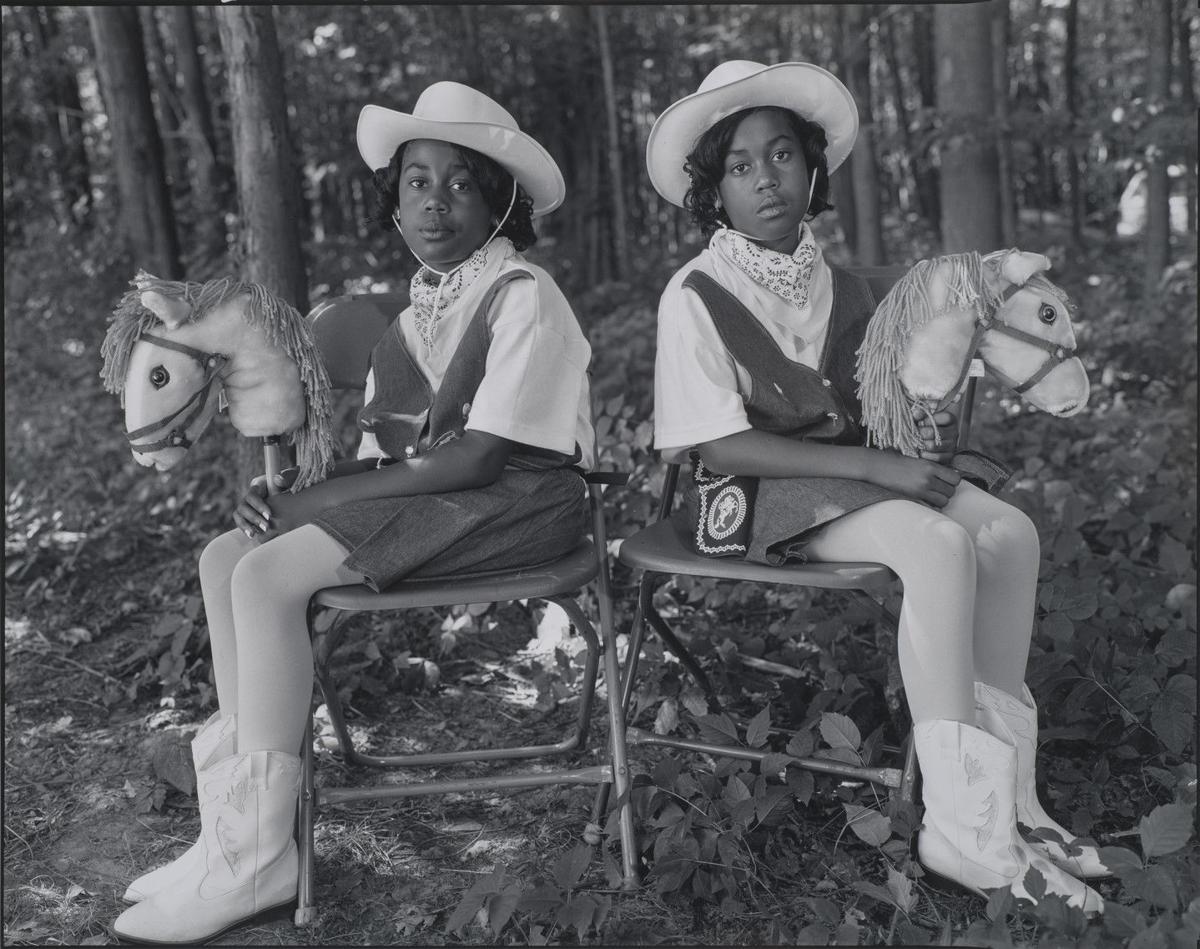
(199,141)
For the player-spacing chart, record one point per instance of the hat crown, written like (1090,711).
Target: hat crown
(453,102)
(727,72)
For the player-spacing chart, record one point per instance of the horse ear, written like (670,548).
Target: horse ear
(173,312)
(1017,266)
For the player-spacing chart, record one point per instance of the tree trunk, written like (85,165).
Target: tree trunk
(1078,209)
(147,218)
(924,169)
(1158,185)
(616,178)
(209,178)
(1004,163)
(1187,100)
(72,194)
(864,170)
(970,195)
(264,170)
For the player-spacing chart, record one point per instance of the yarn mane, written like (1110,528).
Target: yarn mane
(886,406)
(283,326)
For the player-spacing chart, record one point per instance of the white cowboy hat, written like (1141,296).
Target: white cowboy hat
(810,91)
(452,112)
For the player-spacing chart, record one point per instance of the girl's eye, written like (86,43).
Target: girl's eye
(783,154)
(159,377)
(1047,314)
(738,169)
(416,182)
(461,185)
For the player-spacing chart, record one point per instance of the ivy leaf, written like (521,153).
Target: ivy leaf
(801,746)
(694,702)
(775,763)
(876,891)
(901,888)
(1173,714)
(839,731)
(1165,829)
(868,825)
(501,907)
(1176,647)
(667,718)
(718,729)
(1175,558)
(759,728)
(1155,885)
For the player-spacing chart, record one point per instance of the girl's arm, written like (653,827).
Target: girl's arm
(473,461)
(763,455)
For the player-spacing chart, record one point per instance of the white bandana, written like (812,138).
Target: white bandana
(432,294)
(788,276)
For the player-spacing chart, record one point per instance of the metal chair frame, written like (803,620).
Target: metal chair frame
(360,319)
(659,552)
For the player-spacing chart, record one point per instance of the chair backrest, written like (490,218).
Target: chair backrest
(346,329)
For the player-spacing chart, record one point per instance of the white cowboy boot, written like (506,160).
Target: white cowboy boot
(216,739)
(249,863)
(969,831)
(1015,722)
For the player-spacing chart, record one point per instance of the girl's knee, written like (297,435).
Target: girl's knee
(945,540)
(1016,536)
(221,556)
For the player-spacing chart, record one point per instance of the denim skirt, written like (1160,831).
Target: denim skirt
(524,518)
(787,512)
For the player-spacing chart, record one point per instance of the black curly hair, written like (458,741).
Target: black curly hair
(705,165)
(495,184)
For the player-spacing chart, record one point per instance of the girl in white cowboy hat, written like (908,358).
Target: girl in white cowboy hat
(475,428)
(754,378)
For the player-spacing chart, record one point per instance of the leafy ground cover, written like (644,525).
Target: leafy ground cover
(106,676)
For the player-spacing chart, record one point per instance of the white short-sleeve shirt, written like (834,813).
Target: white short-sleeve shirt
(535,387)
(699,388)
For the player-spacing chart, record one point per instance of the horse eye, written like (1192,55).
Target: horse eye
(159,377)
(1047,314)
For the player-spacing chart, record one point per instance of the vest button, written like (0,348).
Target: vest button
(466,409)
(826,383)
(410,450)
(833,416)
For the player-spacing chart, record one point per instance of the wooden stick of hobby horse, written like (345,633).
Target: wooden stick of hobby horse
(271,462)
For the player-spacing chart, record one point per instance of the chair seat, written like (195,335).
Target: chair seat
(662,548)
(567,574)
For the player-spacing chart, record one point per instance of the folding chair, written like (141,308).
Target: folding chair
(660,551)
(346,329)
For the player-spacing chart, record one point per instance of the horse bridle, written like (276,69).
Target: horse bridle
(177,437)
(1057,353)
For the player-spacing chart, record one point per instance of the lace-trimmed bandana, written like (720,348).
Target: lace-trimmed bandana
(431,296)
(787,276)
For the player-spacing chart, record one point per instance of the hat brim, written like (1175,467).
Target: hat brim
(381,131)
(810,91)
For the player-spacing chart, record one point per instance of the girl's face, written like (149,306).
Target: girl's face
(443,215)
(765,188)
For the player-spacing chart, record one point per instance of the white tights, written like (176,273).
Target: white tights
(970,579)
(256,598)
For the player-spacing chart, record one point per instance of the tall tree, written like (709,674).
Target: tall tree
(209,176)
(147,218)
(264,160)
(264,168)
(72,193)
(970,196)
(1078,209)
(1004,164)
(864,169)
(620,226)
(1158,184)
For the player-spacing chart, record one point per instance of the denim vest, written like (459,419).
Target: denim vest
(787,398)
(408,418)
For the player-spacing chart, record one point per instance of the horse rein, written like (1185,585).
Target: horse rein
(1057,354)
(177,437)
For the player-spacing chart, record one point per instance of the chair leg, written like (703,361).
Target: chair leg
(637,633)
(618,751)
(306,910)
(579,620)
